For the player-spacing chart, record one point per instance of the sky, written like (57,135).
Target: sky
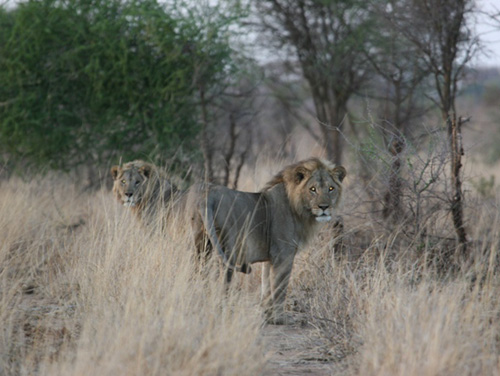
(489,34)
(488,31)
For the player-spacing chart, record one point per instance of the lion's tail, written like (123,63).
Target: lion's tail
(208,221)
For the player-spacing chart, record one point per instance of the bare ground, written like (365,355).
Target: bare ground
(293,350)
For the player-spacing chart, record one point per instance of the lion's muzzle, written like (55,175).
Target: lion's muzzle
(322,213)
(129,200)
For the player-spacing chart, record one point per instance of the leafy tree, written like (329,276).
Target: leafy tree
(83,81)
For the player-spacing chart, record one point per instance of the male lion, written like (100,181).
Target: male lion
(271,225)
(143,187)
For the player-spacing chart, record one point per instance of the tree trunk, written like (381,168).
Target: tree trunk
(392,198)
(338,113)
(228,156)
(331,110)
(321,105)
(455,134)
(205,142)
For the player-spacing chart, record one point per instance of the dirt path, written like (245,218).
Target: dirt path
(293,351)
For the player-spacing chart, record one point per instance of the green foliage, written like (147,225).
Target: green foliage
(83,81)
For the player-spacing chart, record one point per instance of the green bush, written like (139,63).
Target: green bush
(86,81)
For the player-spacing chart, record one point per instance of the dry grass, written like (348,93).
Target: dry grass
(84,290)
(109,297)
(392,310)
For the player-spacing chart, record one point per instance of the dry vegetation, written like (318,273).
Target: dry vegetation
(85,291)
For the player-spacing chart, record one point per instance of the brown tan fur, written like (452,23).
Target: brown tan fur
(269,226)
(143,187)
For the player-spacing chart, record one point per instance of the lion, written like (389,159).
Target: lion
(269,226)
(143,187)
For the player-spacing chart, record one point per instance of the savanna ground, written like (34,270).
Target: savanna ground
(84,290)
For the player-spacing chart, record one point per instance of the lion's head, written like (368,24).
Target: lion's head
(131,181)
(313,188)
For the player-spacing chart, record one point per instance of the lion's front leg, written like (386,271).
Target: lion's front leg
(265,296)
(265,283)
(280,272)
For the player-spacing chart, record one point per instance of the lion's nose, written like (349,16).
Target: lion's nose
(128,194)
(323,206)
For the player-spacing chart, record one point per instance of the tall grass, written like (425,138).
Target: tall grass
(109,296)
(85,289)
(395,312)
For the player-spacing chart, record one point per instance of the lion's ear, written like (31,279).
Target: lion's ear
(339,172)
(300,174)
(146,170)
(114,172)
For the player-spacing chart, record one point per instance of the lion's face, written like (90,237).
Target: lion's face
(130,183)
(321,194)
(314,188)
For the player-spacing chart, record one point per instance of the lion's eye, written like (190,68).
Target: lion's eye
(331,189)
(137,182)
(312,189)
(123,182)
